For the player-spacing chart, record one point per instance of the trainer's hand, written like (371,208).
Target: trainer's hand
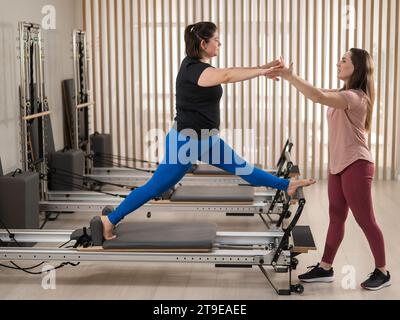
(270,66)
(282,71)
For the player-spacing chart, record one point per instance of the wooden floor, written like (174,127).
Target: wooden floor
(198,281)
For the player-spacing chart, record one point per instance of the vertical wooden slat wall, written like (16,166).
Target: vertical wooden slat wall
(136,47)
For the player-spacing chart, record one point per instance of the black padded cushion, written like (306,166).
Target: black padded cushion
(213,194)
(208,169)
(163,236)
(302,237)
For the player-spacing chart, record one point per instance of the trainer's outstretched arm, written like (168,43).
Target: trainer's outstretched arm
(326,97)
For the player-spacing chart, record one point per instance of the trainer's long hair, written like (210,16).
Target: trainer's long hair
(194,34)
(363,79)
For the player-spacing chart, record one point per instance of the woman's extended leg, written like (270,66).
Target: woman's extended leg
(168,173)
(165,177)
(221,155)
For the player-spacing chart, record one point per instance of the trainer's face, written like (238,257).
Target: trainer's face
(345,67)
(211,48)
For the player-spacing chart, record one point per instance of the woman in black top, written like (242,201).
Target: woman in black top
(194,136)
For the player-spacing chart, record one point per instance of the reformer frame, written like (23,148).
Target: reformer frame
(275,248)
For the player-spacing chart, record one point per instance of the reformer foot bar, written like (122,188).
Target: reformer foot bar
(172,242)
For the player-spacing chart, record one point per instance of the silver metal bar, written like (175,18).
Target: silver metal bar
(139,170)
(249,238)
(141,178)
(222,238)
(120,171)
(111,170)
(259,197)
(85,206)
(75,196)
(31,235)
(217,256)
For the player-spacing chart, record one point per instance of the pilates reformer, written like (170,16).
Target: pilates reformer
(240,201)
(170,242)
(200,174)
(233,200)
(97,183)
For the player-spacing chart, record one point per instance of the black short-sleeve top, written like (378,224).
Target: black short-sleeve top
(196,107)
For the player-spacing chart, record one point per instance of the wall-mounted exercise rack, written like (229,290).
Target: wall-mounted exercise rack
(82,96)
(34,109)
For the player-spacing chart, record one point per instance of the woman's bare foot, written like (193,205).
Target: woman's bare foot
(294,184)
(107,228)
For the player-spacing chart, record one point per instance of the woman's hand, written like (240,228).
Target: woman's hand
(272,64)
(281,71)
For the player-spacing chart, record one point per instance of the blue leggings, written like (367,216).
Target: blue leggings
(181,152)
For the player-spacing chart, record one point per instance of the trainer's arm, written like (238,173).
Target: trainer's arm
(326,97)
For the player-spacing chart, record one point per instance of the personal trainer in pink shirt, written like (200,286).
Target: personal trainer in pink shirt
(351,167)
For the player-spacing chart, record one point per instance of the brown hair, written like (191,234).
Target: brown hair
(194,34)
(363,79)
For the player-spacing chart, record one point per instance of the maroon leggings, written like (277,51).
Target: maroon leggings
(352,189)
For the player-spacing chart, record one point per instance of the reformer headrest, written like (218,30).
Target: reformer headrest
(96,228)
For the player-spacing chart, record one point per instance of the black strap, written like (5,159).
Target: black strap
(84,240)
(18,171)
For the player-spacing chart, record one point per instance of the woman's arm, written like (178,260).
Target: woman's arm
(212,77)
(326,97)
(329,90)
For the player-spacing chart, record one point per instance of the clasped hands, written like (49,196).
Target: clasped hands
(276,69)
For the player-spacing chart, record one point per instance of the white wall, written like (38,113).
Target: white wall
(58,66)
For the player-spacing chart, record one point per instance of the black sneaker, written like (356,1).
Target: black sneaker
(377,280)
(317,274)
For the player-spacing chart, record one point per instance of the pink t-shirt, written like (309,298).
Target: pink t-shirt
(347,138)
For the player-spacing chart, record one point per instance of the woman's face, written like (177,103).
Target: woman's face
(345,67)
(211,48)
